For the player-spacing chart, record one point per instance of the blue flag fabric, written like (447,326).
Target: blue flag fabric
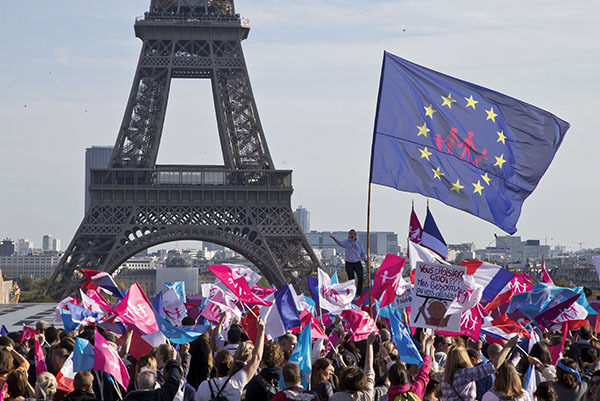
(302,354)
(3,331)
(83,355)
(468,146)
(541,297)
(407,350)
(157,305)
(181,334)
(334,278)
(286,305)
(68,323)
(179,288)
(313,284)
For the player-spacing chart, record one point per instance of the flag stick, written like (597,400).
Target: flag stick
(249,309)
(368,249)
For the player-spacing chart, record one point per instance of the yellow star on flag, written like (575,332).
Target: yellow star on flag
(471,102)
(448,101)
(500,160)
(425,153)
(486,178)
(501,137)
(429,111)
(423,130)
(457,187)
(491,115)
(437,174)
(478,187)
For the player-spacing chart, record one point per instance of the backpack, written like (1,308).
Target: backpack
(270,387)
(219,396)
(407,396)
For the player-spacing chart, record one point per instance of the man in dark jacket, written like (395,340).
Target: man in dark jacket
(82,383)
(146,381)
(265,385)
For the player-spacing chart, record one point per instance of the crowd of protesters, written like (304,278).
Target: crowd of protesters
(226,365)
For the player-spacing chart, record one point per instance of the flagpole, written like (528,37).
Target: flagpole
(369,249)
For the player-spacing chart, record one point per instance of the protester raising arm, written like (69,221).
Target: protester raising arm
(501,357)
(257,353)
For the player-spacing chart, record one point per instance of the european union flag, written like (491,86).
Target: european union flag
(468,146)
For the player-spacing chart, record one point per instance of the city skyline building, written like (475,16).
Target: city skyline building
(303,217)
(47,243)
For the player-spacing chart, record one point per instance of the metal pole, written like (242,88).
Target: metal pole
(369,249)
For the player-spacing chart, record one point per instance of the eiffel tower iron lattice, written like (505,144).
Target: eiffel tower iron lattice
(244,205)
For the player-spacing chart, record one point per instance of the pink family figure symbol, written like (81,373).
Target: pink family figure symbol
(452,140)
(480,157)
(469,145)
(439,141)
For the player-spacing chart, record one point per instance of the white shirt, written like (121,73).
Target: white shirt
(232,391)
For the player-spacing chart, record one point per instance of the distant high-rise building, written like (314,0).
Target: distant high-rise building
(303,217)
(95,157)
(24,246)
(7,247)
(56,245)
(47,243)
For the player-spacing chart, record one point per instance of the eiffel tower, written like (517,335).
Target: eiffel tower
(244,205)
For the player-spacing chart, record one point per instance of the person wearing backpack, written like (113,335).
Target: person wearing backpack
(265,385)
(292,378)
(229,388)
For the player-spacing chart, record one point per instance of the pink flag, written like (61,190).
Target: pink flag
(547,317)
(470,323)
(545,276)
(262,292)
(239,286)
(360,323)
(387,279)
(135,311)
(415,231)
(27,333)
(107,359)
(316,328)
(99,299)
(556,350)
(40,360)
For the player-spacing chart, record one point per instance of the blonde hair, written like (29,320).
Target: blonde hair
(45,386)
(508,380)
(457,359)
(244,351)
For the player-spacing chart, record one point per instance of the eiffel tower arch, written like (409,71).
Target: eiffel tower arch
(244,205)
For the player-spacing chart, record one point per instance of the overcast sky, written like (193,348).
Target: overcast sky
(67,69)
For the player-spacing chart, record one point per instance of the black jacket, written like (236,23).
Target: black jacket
(255,391)
(166,392)
(80,395)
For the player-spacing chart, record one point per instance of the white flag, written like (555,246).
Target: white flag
(335,297)
(468,296)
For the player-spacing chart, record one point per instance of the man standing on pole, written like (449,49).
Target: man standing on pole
(354,254)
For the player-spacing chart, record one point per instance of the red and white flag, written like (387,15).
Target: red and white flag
(136,312)
(107,359)
(361,324)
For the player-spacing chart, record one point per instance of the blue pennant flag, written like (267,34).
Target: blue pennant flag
(468,146)
(334,278)
(541,298)
(67,320)
(83,355)
(157,305)
(181,334)
(407,350)
(313,284)
(302,354)
(3,331)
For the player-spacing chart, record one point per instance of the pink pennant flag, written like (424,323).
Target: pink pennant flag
(135,311)
(388,278)
(545,276)
(360,323)
(316,328)
(27,333)
(107,359)
(40,359)
(239,286)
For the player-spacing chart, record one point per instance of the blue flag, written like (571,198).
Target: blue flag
(313,284)
(468,146)
(83,355)
(3,331)
(541,297)
(157,305)
(407,350)
(181,334)
(68,323)
(302,354)
(286,305)
(179,288)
